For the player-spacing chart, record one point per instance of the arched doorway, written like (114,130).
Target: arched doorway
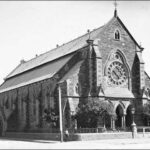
(119,113)
(128,117)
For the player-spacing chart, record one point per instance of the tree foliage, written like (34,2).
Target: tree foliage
(146,113)
(146,109)
(89,114)
(50,117)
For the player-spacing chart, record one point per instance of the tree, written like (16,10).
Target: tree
(93,112)
(146,109)
(146,113)
(50,117)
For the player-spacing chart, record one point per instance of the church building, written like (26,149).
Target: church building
(105,63)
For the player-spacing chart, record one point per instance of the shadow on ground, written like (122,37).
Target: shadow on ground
(28,140)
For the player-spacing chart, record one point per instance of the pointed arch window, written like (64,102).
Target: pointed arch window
(77,88)
(117,35)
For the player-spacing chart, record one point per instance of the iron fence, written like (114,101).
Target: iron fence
(87,130)
(143,129)
(92,130)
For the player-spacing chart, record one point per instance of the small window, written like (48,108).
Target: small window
(77,88)
(117,35)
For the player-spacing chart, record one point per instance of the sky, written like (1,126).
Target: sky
(28,28)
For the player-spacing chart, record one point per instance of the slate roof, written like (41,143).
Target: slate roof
(38,69)
(46,65)
(38,74)
(58,52)
(63,50)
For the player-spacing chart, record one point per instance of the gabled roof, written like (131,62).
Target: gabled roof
(56,53)
(63,50)
(47,64)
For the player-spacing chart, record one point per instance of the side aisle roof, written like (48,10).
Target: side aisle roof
(56,53)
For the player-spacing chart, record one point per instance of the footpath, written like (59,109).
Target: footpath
(140,143)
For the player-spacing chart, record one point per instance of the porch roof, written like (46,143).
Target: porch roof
(118,92)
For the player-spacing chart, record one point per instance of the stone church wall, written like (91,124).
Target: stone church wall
(108,43)
(25,106)
(127,46)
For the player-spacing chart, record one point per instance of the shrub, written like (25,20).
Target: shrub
(89,114)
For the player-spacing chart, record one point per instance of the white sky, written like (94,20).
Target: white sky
(28,28)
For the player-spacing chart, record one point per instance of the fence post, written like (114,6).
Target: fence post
(143,132)
(134,130)
(97,130)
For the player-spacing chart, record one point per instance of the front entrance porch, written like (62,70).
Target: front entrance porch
(123,118)
(120,121)
(110,114)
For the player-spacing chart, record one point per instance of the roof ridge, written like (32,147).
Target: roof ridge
(63,44)
(34,58)
(39,60)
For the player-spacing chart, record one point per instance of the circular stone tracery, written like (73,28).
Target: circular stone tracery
(116,73)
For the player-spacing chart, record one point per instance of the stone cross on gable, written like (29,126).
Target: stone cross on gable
(115,4)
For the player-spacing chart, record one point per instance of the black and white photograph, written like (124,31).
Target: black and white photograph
(75,74)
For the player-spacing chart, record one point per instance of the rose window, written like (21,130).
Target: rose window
(116,73)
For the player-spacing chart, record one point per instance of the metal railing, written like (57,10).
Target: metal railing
(98,130)
(88,130)
(143,129)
